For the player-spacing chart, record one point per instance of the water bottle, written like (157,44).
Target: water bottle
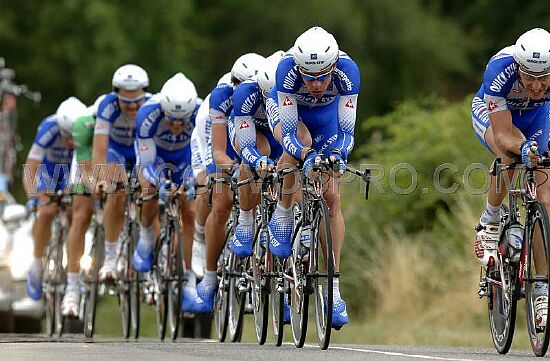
(514,236)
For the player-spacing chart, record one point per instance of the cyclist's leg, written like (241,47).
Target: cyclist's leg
(202,210)
(114,212)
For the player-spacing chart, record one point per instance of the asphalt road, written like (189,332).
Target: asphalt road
(76,347)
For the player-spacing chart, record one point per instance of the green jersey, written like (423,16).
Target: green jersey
(83,136)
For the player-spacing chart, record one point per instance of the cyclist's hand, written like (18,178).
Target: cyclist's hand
(311,159)
(100,187)
(263,166)
(190,190)
(166,189)
(32,204)
(337,161)
(528,156)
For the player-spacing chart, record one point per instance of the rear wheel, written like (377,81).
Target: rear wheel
(536,282)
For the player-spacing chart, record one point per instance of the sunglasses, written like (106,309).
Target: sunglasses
(176,119)
(129,101)
(532,77)
(319,77)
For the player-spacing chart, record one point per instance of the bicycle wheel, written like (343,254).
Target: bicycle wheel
(50,308)
(159,282)
(300,289)
(92,284)
(236,299)
(175,279)
(537,238)
(124,286)
(277,300)
(322,284)
(260,299)
(134,280)
(221,314)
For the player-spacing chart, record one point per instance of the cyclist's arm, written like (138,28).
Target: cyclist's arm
(29,177)
(45,136)
(219,144)
(288,114)
(245,130)
(506,139)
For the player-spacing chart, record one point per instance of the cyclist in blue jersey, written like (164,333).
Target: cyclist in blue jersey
(220,160)
(164,127)
(316,87)
(113,151)
(199,140)
(255,144)
(510,113)
(46,172)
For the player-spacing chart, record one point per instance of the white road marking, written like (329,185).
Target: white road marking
(389,353)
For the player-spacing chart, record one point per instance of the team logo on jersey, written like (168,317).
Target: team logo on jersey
(313,56)
(244,125)
(536,55)
(287,102)
(492,106)
(349,104)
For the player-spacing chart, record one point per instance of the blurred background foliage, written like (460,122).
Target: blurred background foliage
(408,257)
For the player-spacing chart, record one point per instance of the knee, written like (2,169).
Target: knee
(333,202)
(47,213)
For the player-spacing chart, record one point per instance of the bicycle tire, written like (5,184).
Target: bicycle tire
(277,303)
(175,276)
(135,296)
(124,288)
(92,289)
(260,287)
(323,306)
(161,304)
(537,215)
(298,291)
(236,301)
(221,314)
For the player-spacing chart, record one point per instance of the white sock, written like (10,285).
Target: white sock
(210,278)
(491,214)
(246,218)
(146,236)
(37,264)
(73,281)
(111,249)
(199,233)
(336,288)
(191,280)
(282,211)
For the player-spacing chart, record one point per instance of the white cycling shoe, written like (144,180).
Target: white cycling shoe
(486,243)
(70,306)
(108,271)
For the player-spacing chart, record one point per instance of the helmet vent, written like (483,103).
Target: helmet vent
(301,51)
(327,49)
(523,47)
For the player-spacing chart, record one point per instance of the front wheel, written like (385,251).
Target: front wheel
(536,258)
(236,298)
(174,279)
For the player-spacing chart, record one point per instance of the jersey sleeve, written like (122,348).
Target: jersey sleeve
(220,104)
(83,134)
(106,112)
(246,100)
(46,134)
(147,120)
(498,79)
(287,83)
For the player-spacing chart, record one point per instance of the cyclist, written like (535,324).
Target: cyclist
(199,141)
(255,144)
(316,91)
(510,114)
(47,171)
(114,145)
(83,135)
(164,127)
(220,160)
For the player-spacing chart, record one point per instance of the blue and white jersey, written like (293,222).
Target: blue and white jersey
(48,147)
(502,89)
(293,96)
(154,136)
(248,104)
(111,121)
(221,103)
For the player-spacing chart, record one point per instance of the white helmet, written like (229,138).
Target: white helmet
(130,77)
(532,50)
(267,70)
(246,66)
(92,109)
(178,96)
(315,50)
(225,79)
(67,112)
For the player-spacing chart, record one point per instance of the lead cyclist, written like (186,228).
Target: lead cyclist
(316,89)
(510,113)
